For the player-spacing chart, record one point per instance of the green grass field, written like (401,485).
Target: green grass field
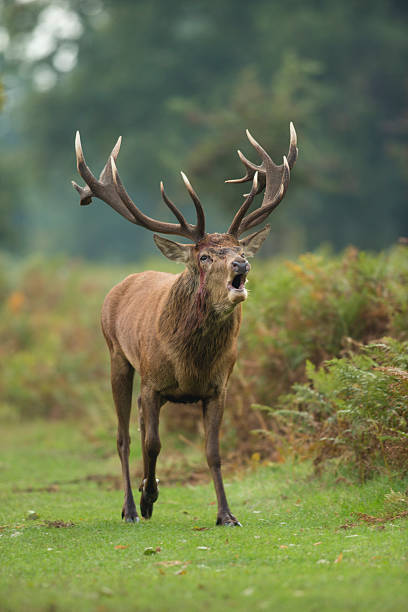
(292,552)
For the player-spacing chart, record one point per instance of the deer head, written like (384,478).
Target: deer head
(217,261)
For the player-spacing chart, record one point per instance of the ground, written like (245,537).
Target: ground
(64,547)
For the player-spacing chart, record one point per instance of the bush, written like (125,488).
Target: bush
(53,360)
(312,309)
(354,409)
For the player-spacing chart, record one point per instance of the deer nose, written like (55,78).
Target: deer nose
(240,267)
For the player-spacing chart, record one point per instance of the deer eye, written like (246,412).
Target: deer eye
(204,257)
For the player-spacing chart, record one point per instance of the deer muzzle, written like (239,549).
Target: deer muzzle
(236,284)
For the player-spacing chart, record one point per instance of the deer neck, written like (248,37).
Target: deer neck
(192,324)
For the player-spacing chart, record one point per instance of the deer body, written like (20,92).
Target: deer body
(144,320)
(180,332)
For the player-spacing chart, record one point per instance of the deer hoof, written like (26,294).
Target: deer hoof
(146,508)
(133,520)
(130,515)
(228,520)
(146,503)
(147,499)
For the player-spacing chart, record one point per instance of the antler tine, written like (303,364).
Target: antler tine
(233,228)
(273,178)
(200,227)
(293,150)
(103,188)
(172,207)
(83,169)
(260,150)
(260,214)
(250,173)
(84,192)
(250,170)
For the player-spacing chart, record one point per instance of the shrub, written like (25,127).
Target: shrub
(353,410)
(53,362)
(312,309)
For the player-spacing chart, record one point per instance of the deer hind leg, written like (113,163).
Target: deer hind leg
(149,412)
(212,413)
(122,383)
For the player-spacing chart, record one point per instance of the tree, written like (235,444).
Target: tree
(182,83)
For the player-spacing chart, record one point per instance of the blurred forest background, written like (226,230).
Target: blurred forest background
(181,81)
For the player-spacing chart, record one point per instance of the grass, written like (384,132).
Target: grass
(291,553)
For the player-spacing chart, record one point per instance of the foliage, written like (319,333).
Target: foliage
(67,548)
(314,309)
(53,359)
(354,408)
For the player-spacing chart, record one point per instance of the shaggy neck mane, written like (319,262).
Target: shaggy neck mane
(190,322)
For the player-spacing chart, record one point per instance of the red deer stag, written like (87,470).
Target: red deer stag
(179,331)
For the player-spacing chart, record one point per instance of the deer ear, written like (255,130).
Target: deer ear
(251,243)
(173,250)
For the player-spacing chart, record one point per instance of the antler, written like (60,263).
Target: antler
(110,189)
(269,176)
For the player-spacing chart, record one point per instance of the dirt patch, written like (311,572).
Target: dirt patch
(172,473)
(58,524)
(109,480)
(361,517)
(168,476)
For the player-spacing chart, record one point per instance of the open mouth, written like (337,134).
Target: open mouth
(238,282)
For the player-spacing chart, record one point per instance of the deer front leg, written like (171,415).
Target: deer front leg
(149,412)
(122,382)
(212,412)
